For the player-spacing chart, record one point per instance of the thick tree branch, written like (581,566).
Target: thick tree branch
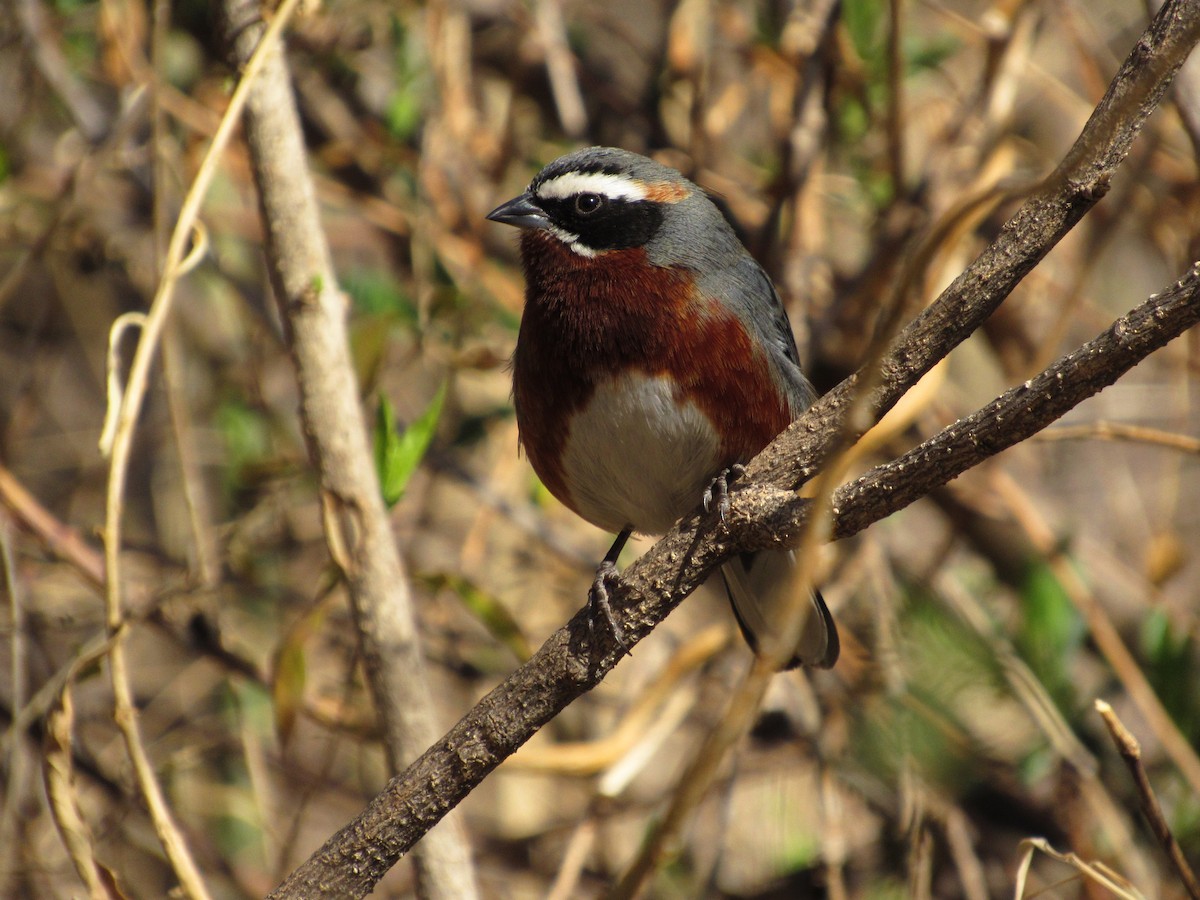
(772,516)
(354,859)
(1052,210)
(761,516)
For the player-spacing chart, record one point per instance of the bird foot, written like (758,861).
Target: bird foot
(717,492)
(599,608)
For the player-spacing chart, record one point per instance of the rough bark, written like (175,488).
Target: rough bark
(767,512)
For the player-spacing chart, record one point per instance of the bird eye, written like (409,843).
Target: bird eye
(586,204)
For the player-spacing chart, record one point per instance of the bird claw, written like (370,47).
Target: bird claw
(717,492)
(599,608)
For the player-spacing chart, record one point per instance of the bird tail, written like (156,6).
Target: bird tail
(761,588)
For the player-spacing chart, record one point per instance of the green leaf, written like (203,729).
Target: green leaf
(413,90)
(1051,632)
(375,292)
(1173,668)
(403,113)
(864,21)
(287,682)
(493,614)
(246,433)
(398,455)
(289,669)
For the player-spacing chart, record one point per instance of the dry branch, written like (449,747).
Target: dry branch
(1131,753)
(767,513)
(357,528)
(117,441)
(761,516)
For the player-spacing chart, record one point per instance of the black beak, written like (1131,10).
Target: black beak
(523,212)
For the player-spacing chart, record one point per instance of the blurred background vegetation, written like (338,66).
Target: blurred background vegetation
(979,624)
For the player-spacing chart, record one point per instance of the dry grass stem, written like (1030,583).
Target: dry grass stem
(125,715)
(1131,753)
(1105,634)
(63,794)
(694,783)
(1097,873)
(16,756)
(1122,431)
(962,207)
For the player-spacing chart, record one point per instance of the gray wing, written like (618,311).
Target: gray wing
(699,237)
(762,586)
(750,294)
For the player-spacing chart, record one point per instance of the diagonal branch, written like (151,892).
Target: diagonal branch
(766,512)
(760,516)
(1008,420)
(1060,202)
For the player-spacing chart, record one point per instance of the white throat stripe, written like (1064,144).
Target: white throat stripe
(572,241)
(612,186)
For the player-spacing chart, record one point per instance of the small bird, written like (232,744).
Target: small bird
(654,359)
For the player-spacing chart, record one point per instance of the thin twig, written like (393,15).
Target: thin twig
(58,538)
(90,117)
(1108,639)
(16,755)
(59,777)
(767,513)
(174,378)
(76,183)
(566,882)
(761,517)
(1131,752)
(581,758)
(125,714)
(971,875)
(1120,431)
(560,67)
(694,782)
(833,824)
(895,101)
(1040,708)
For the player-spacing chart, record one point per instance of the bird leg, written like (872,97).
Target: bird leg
(598,594)
(717,492)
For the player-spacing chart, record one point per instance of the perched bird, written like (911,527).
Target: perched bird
(654,357)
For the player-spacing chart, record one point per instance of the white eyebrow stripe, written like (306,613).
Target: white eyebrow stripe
(615,187)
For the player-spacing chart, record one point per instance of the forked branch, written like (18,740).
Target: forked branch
(766,511)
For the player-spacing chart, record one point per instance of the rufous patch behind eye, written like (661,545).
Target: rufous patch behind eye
(615,187)
(666,192)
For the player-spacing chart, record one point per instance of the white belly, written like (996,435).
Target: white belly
(634,456)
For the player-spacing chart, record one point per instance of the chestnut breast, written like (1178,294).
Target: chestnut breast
(631,390)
